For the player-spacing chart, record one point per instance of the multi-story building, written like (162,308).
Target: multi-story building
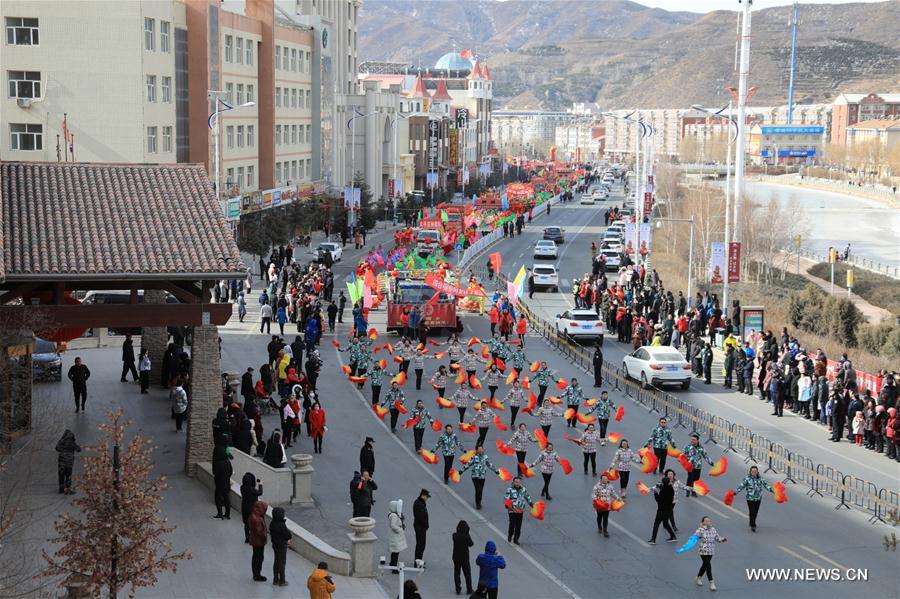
(849,109)
(578,141)
(781,143)
(527,132)
(115,98)
(884,132)
(620,134)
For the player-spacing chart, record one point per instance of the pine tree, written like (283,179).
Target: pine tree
(117,537)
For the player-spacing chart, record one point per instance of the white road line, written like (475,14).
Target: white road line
(475,514)
(824,558)
(799,557)
(728,507)
(706,506)
(633,536)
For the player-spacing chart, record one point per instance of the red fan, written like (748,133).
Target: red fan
(611,474)
(535,366)
(525,470)
(569,413)
(433,386)
(511,377)
(428,456)
(504,474)
(590,402)
(643,488)
(412,422)
(575,441)
(436,425)
(433,342)
(473,341)
(400,379)
(466,457)
(620,413)
(380,411)
(780,493)
(454,368)
(566,465)
(685,463)
(445,403)
(537,510)
(398,405)
(336,344)
(499,424)
(617,505)
(484,352)
(561,384)
(398,359)
(376,349)
(555,400)
(466,427)
(600,505)
(650,462)
(382,363)
(460,378)
(373,334)
(496,404)
(701,488)
(644,451)
(720,467)
(359,380)
(454,475)
(541,438)
(420,347)
(441,355)
(585,419)
(526,384)
(532,402)
(474,382)
(508,504)
(346,369)
(674,452)
(504,449)
(729,497)
(500,364)
(614,437)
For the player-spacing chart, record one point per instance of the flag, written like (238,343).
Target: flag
(512,292)
(444,217)
(496,261)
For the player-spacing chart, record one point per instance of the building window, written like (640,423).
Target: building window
(26,137)
(277,97)
(229,42)
(294,134)
(239,50)
(251,175)
(240,93)
(24,84)
(278,172)
(294,170)
(277,135)
(250,135)
(287,98)
(308,104)
(151,88)
(21,31)
(167,139)
(294,98)
(308,169)
(229,136)
(249,60)
(240,136)
(277,57)
(293,59)
(250,93)
(164,27)
(308,62)
(149,34)
(229,178)
(309,134)
(240,177)
(151,140)
(167,89)
(229,92)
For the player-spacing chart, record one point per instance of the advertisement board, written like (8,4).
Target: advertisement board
(752,321)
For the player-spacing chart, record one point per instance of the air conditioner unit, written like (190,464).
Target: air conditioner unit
(24,102)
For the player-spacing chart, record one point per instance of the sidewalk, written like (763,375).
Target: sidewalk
(220,564)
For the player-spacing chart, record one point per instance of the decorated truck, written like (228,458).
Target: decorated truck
(409,291)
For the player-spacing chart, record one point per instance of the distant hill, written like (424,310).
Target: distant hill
(548,54)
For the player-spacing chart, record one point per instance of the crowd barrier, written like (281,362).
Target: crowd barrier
(849,491)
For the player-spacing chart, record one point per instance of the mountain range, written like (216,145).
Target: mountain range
(547,54)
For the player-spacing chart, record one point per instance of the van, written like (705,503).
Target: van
(120,297)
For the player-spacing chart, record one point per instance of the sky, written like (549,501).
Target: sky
(704,6)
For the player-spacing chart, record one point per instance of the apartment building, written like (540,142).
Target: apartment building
(118,98)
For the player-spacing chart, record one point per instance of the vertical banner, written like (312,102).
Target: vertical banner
(454,147)
(348,195)
(465,176)
(433,144)
(650,183)
(717,263)
(648,202)
(630,237)
(398,187)
(504,202)
(646,232)
(734,262)
(505,167)
(357,198)
(391,188)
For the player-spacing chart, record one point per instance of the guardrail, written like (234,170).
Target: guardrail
(849,491)
(887,270)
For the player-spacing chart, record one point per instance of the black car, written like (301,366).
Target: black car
(46,365)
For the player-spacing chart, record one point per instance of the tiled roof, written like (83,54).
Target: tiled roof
(485,72)
(419,90)
(476,72)
(876,124)
(79,219)
(441,92)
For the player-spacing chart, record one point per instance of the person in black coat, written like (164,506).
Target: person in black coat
(664,493)
(66,446)
(79,375)
(247,390)
(598,365)
(462,540)
(420,521)
(243,438)
(361,495)
(281,538)
(222,471)
(297,346)
(367,456)
(251,490)
(128,359)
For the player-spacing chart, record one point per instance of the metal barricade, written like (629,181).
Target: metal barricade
(742,439)
(804,470)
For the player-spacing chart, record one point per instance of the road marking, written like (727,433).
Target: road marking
(706,506)
(824,558)
(728,507)
(799,557)
(475,514)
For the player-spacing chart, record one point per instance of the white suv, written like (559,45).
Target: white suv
(545,276)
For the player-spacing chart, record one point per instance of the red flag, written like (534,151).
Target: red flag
(496,261)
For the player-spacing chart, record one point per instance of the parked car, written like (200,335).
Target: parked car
(545,277)
(334,249)
(554,234)
(657,365)
(545,249)
(580,323)
(46,365)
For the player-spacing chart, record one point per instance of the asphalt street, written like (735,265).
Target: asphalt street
(564,556)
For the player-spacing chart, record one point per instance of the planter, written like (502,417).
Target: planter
(362,527)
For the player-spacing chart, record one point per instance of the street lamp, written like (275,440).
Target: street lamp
(659,221)
(731,138)
(396,157)
(213,122)
(351,124)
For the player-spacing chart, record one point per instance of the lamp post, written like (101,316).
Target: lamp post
(351,124)
(213,123)
(396,158)
(659,221)
(731,138)
(744,73)
(640,133)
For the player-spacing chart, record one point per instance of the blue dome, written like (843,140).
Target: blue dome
(454,61)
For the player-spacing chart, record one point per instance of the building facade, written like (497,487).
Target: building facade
(579,140)
(785,144)
(849,109)
(884,132)
(527,132)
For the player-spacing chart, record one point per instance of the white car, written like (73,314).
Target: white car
(545,276)
(657,365)
(545,248)
(580,323)
(334,249)
(615,230)
(613,257)
(600,194)
(586,199)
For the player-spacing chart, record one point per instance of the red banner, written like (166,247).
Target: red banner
(439,284)
(648,202)
(429,223)
(390,187)
(734,262)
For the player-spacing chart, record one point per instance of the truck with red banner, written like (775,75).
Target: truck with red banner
(408,291)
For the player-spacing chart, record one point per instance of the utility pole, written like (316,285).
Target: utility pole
(794,23)
(744,73)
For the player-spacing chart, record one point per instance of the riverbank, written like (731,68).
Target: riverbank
(885,196)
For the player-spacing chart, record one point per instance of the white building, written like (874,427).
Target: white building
(519,132)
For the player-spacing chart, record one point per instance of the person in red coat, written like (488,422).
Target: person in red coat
(521,329)
(317,426)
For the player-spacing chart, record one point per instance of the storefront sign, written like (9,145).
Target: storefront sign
(462,118)
(231,209)
(454,150)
